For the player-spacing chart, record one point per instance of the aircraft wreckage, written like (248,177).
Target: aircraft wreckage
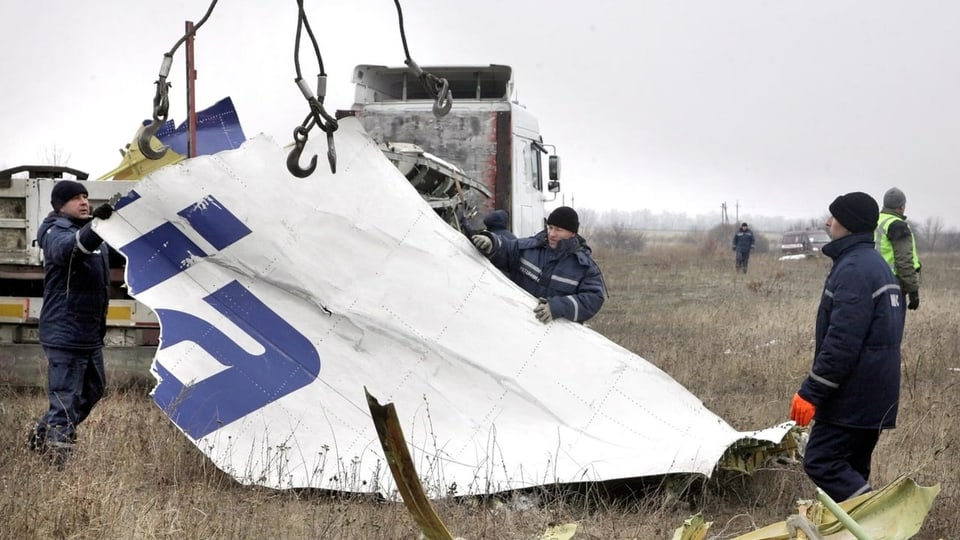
(281,300)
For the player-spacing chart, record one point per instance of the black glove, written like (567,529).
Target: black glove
(88,240)
(104,211)
(913,300)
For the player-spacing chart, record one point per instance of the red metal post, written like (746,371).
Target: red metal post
(191,94)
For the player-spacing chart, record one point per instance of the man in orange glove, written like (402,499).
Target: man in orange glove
(801,410)
(853,389)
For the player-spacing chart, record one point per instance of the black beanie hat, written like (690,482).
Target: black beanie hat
(857,212)
(496,220)
(63,191)
(565,218)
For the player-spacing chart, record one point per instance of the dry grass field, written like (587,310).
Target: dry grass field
(742,343)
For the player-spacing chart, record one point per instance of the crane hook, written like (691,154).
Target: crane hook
(161,104)
(143,141)
(293,159)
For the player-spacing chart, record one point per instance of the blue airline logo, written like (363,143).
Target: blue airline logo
(165,251)
(249,382)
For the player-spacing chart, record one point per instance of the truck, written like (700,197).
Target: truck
(807,242)
(485,154)
(495,141)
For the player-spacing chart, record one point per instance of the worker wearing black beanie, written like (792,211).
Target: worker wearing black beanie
(857,212)
(565,218)
(853,389)
(555,266)
(63,191)
(72,322)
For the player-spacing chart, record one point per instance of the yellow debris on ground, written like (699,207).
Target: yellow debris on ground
(895,512)
(560,532)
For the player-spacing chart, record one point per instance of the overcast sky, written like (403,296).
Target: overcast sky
(667,105)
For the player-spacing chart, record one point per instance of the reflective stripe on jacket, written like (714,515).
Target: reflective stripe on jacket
(566,276)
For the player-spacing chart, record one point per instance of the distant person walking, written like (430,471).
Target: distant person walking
(898,246)
(742,244)
(853,388)
(496,222)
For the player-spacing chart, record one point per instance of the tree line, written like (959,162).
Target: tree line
(634,229)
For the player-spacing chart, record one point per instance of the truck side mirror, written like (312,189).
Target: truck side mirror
(553,186)
(554,170)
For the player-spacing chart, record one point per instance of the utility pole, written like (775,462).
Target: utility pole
(191,94)
(723,213)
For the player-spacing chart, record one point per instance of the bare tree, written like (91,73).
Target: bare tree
(797,225)
(589,220)
(619,226)
(615,229)
(54,155)
(819,223)
(931,231)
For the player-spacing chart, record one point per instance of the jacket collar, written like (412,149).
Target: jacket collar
(840,246)
(570,245)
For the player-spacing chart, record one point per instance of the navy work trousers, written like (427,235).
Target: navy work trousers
(75,383)
(837,459)
(743,257)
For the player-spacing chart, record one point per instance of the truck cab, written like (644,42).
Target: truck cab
(496,142)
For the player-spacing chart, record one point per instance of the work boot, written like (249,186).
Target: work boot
(36,441)
(58,453)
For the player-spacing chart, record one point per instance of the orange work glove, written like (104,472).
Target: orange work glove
(801,410)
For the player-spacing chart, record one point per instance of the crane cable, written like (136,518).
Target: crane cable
(437,87)
(318,116)
(161,101)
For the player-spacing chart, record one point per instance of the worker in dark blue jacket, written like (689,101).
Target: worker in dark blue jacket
(555,266)
(743,242)
(853,389)
(496,222)
(73,317)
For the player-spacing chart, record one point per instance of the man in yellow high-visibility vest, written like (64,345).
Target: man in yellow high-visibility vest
(896,243)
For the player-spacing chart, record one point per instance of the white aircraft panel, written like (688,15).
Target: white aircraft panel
(281,298)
